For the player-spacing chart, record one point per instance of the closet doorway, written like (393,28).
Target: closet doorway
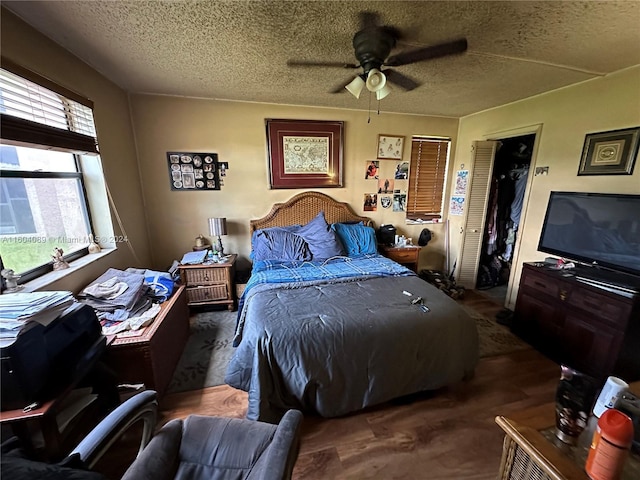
(508,183)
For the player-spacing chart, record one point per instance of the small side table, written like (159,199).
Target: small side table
(407,256)
(530,442)
(210,284)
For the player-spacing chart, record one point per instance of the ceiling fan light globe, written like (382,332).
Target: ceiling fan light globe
(376,80)
(383,92)
(355,86)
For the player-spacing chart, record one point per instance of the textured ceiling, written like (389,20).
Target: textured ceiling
(239,50)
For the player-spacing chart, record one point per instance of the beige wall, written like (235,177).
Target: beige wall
(27,47)
(565,116)
(162,224)
(236,132)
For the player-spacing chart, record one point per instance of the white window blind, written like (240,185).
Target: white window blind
(35,114)
(24,99)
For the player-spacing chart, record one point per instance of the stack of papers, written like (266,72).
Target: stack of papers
(20,311)
(194,258)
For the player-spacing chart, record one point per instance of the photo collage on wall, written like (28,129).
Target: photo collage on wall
(390,187)
(196,171)
(456,206)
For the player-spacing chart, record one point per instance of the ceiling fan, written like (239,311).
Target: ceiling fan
(373,44)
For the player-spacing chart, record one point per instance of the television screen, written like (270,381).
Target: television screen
(594,228)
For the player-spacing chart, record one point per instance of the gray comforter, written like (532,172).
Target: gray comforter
(337,347)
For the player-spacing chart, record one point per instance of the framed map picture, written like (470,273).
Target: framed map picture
(304,153)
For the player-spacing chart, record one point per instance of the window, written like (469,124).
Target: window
(45,132)
(427,175)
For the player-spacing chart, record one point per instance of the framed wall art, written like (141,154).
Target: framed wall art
(390,147)
(193,171)
(305,153)
(610,153)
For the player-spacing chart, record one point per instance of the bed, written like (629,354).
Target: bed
(333,334)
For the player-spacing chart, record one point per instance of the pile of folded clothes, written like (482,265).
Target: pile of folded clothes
(127,299)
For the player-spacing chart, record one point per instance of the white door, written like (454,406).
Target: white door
(483,155)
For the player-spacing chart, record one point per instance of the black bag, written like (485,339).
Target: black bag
(425,237)
(386,235)
(44,360)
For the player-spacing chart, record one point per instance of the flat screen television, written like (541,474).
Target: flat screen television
(596,229)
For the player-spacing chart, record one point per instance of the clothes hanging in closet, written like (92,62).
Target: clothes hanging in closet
(519,177)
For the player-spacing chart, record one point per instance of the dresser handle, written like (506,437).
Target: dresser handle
(206,277)
(563,294)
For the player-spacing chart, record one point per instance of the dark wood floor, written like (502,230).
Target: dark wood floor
(449,434)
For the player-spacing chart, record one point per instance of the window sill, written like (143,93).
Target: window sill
(49,278)
(422,222)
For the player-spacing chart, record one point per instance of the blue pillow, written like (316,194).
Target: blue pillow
(279,244)
(289,228)
(358,239)
(323,242)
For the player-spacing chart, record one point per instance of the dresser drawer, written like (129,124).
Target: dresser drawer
(206,293)
(600,308)
(543,284)
(408,255)
(204,276)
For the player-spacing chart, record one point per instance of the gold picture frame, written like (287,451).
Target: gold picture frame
(390,147)
(305,153)
(610,153)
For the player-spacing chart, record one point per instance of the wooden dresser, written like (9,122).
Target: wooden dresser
(151,357)
(594,330)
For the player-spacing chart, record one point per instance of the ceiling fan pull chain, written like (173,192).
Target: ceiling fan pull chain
(369,112)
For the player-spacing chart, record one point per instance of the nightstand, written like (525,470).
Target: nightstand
(407,256)
(210,284)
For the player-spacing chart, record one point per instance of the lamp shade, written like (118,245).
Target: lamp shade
(376,80)
(218,226)
(383,92)
(355,86)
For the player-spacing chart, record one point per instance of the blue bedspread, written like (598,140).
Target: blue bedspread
(338,336)
(271,271)
(276,271)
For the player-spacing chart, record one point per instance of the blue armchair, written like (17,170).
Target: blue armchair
(197,447)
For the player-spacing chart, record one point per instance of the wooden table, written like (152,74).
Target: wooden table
(535,428)
(151,356)
(408,255)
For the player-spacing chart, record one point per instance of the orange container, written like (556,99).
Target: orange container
(610,446)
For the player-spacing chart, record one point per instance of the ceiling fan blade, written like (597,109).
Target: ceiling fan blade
(401,80)
(427,53)
(308,63)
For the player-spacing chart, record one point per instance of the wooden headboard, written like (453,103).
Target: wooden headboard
(302,208)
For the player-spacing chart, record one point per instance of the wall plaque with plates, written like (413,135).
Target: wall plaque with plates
(193,171)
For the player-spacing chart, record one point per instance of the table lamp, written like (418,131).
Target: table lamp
(218,227)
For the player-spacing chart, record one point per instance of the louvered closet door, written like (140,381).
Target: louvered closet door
(477,200)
